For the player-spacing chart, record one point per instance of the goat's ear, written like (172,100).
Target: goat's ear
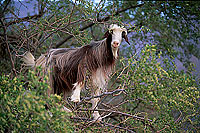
(106,34)
(124,35)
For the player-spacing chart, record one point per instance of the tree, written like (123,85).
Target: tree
(168,98)
(172,25)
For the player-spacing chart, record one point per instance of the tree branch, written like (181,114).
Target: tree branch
(6,41)
(99,20)
(104,94)
(10,36)
(5,8)
(19,20)
(23,19)
(70,36)
(116,126)
(120,113)
(104,123)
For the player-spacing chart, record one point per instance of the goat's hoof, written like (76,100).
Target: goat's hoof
(98,120)
(97,117)
(74,99)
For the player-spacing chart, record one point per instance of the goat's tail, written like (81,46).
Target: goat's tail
(29,60)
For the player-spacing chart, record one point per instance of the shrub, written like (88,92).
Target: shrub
(23,105)
(157,98)
(160,93)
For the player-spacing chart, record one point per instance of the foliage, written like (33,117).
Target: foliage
(168,97)
(157,97)
(23,106)
(174,26)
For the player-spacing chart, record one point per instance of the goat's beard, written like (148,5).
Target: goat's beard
(115,52)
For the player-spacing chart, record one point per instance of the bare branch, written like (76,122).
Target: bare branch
(5,8)
(23,19)
(120,113)
(6,41)
(103,94)
(10,36)
(103,123)
(98,20)
(116,126)
(71,13)
(70,36)
(19,20)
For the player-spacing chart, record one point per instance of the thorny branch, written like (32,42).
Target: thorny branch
(6,41)
(101,124)
(19,20)
(60,26)
(103,94)
(116,126)
(98,20)
(5,8)
(120,113)
(119,126)
(113,110)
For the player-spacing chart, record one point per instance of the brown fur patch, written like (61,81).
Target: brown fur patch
(71,65)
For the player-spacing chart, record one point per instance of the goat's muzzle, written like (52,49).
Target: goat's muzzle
(115,44)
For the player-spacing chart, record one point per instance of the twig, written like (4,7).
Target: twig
(80,118)
(99,20)
(166,126)
(178,117)
(70,36)
(106,115)
(5,8)
(72,12)
(10,36)
(115,126)
(104,123)
(6,41)
(118,112)
(119,75)
(23,19)
(104,94)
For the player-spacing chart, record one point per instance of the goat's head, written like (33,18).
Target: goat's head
(117,34)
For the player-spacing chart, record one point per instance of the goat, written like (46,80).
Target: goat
(69,66)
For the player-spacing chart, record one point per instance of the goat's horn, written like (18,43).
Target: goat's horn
(124,35)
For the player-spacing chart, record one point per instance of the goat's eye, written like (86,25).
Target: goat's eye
(111,31)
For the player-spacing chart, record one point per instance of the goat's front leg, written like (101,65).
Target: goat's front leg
(76,93)
(94,101)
